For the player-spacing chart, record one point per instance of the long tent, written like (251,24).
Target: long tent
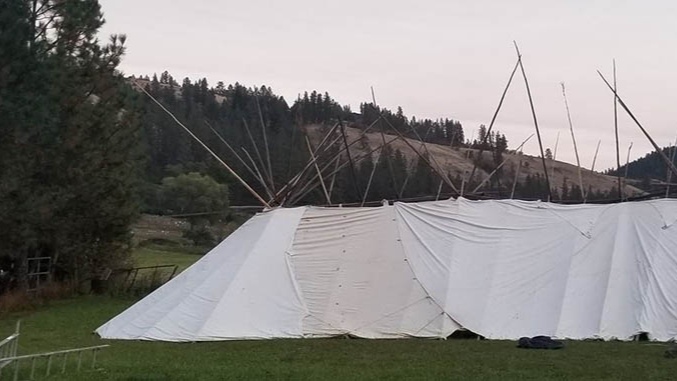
(500,268)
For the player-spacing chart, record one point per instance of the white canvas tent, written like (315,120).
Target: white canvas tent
(502,269)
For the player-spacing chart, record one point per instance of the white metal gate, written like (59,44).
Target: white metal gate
(13,365)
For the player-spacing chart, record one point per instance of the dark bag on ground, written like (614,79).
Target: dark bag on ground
(539,342)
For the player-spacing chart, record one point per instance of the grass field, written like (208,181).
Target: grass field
(70,323)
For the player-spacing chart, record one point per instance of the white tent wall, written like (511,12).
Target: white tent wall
(355,280)
(502,269)
(506,269)
(241,289)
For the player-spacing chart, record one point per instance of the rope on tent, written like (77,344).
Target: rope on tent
(658,211)
(443,313)
(389,314)
(585,234)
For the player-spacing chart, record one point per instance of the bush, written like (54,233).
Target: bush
(200,236)
(19,300)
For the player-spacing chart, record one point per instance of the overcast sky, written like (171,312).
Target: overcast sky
(434,58)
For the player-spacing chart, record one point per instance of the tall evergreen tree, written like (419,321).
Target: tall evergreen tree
(67,139)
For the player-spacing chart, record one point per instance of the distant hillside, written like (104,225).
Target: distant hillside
(248,117)
(459,161)
(649,172)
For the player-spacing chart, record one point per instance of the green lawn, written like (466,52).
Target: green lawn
(70,323)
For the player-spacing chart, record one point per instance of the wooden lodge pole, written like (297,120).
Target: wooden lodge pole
(232,172)
(533,114)
(618,148)
(662,154)
(573,138)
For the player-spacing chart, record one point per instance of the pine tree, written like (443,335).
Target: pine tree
(67,140)
(481,136)
(423,181)
(564,193)
(548,154)
(155,85)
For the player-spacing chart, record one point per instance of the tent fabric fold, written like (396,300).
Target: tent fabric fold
(507,269)
(503,269)
(355,279)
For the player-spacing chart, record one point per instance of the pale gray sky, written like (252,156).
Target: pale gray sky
(433,58)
